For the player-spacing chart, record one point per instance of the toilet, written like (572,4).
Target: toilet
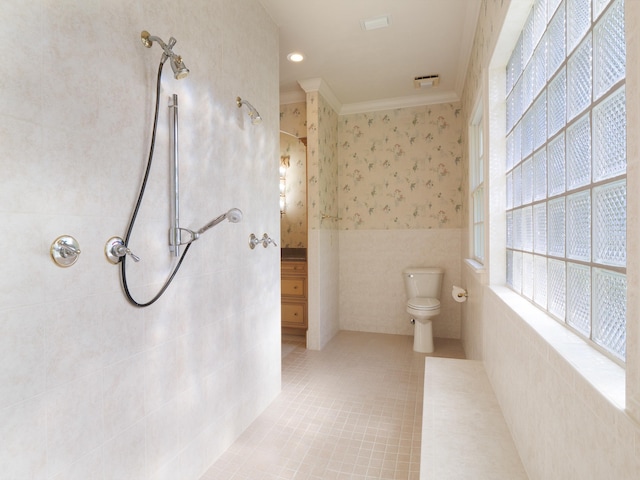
(423,286)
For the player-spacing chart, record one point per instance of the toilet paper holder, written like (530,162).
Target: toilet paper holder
(459,294)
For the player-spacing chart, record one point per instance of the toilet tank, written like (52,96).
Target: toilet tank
(423,281)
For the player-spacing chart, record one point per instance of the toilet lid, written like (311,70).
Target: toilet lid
(423,303)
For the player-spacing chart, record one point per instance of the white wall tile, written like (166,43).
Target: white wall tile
(75,424)
(124,455)
(161,438)
(74,343)
(372,296)
(89,467)
(23,428)
(75,135)
(123,393)
(22,370)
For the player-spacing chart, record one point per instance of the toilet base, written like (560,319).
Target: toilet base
(423,336)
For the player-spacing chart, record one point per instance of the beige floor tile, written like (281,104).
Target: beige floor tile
(351,411)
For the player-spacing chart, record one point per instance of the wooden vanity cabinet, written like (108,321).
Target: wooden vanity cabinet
(293,278)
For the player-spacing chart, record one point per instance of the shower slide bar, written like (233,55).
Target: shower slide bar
(174,230)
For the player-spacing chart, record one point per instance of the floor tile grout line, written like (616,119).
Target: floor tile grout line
(321,403)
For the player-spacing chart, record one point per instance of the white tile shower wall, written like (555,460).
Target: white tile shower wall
(90,386)
(471,318)
(330,272)
(372,296)
(563,427)
(322,172)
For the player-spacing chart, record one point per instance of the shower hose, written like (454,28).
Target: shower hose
(123,270)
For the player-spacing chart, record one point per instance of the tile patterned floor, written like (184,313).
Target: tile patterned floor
(350,411)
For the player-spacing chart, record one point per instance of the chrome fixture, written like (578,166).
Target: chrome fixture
(253,113)
(177,65)
(234,216)
(265,241)
(174,229)
(115,249)
(65,251)
(324,216)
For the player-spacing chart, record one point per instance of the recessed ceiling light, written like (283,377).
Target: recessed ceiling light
(377,22)
(295,57)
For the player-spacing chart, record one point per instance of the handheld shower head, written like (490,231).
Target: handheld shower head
(234,216)
(177,65)
(253,113)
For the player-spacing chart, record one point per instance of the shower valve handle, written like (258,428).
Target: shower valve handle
(266,240)
(122,250)
(115,249)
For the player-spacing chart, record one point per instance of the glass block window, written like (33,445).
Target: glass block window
(566,167)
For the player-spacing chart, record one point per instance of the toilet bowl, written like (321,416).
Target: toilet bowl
(423,286)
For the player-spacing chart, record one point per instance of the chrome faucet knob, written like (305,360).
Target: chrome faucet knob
(121,250)
(266,240)
(253,241)
(65,251)
(115,249)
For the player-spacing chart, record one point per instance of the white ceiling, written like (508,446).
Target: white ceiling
(374,70)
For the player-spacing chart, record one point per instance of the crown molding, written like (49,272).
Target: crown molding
(318,85)
(400,102)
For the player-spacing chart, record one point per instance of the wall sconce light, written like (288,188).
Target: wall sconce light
(284,165)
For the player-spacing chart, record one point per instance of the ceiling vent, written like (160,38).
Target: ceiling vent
(377,22)
(426,81)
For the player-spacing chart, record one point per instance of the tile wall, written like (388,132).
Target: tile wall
(563,426)
(323,253)
(400,206)
(372,295)
(90,386)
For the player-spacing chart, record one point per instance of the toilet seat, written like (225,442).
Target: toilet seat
(424,304)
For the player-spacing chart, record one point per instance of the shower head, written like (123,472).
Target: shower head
(253,113)
(177,65)
(180,71)
(234,216)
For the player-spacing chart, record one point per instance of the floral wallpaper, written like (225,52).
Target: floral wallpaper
(293,224)
(322,165)
(401,169)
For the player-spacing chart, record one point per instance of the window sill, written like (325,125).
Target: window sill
(477,269)
(600,372)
